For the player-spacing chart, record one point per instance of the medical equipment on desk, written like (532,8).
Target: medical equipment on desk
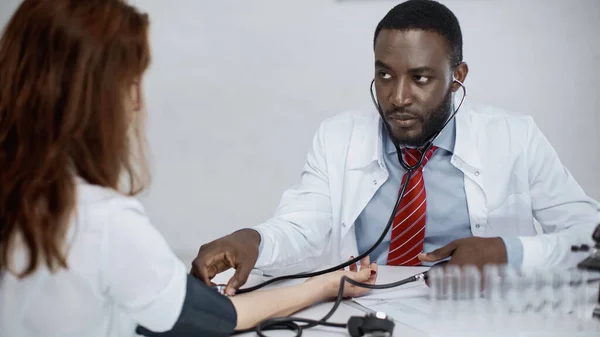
(592,262)
(509,301)
(552,302)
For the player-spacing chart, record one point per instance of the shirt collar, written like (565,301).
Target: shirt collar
(368,142)
(445,140)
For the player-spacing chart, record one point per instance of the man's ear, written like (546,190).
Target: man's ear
(460,74)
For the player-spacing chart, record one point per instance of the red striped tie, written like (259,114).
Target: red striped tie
(408,230)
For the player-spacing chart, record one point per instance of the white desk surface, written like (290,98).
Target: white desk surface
(343,313)
(349,308)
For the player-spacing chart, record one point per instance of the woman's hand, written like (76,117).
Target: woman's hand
(331,281)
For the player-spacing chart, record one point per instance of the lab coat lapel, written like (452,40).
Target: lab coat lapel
(365,172)
(467,159)
(466,155)
(359,189)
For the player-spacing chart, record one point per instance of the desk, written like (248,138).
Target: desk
(386,274)
(349,308)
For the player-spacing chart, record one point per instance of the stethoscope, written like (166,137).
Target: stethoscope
(290,322)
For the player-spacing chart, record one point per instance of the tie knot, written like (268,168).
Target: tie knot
(412,156)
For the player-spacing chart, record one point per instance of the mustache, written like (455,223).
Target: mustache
(403,113)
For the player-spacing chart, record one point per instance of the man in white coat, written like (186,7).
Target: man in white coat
(481,185)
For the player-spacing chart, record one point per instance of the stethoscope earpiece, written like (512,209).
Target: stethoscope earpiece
(454,80)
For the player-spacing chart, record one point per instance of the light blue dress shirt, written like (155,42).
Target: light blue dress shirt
(447,210)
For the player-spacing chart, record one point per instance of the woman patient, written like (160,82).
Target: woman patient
(78,255)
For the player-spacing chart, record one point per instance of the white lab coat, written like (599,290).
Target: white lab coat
(512,178)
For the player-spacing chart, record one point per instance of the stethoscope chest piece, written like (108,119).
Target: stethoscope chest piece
(371,325)
(220,288)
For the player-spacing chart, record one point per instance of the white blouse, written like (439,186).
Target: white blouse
(121,273)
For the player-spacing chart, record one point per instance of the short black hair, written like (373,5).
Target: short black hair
(426,15)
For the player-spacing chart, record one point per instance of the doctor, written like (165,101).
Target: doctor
(489,176)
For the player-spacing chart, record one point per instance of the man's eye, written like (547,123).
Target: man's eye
(421,79)
(384,75)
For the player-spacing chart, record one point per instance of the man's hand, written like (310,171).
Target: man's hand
(238,250)
(474,251)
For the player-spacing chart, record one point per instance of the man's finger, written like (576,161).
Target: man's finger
(438,254)
(235,282)
(211,271)
(200,268)
(220,266)
(239,279)
(200,272)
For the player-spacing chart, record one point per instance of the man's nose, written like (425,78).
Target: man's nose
(402,95)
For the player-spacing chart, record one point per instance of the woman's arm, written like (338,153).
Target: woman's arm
(255,307)
(205,312)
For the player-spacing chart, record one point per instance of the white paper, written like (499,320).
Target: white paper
(408,305)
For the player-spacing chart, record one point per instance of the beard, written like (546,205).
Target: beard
(430,126)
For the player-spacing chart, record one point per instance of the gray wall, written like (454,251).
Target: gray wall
(237,89)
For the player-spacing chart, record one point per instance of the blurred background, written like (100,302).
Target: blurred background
(237,89)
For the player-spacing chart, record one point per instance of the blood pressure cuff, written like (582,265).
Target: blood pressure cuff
(205,312)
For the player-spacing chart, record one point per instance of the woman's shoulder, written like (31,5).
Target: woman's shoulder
(95,196)
(98,207)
